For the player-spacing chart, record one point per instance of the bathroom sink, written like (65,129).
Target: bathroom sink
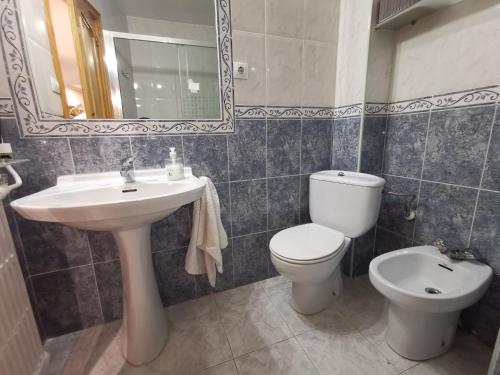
(102,202)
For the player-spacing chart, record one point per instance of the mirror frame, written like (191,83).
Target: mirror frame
(33,122)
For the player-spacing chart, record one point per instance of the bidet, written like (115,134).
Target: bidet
(426,292)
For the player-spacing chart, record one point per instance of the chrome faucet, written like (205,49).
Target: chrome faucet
(127,170)
(455,254)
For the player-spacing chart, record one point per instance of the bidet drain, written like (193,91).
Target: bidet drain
(432,290)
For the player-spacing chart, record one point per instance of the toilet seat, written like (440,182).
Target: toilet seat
(307,243)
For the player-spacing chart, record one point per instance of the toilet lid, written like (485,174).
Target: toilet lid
(306,242)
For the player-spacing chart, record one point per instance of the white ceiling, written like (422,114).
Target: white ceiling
(189,11)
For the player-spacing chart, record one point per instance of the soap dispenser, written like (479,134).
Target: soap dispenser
(175,170)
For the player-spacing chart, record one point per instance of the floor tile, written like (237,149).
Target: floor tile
(467,357)
(204,306)
(282,358)
(344,352)
(253,326)
(328,320)
(240,296)
(226,368)
(193,345)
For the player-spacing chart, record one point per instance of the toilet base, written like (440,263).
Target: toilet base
(420,335)
(310,299)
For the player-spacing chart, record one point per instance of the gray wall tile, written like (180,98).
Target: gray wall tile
(283,193)
(92,155)
(51,247)
(304,199)
(174,283)
(207,156)
(316,145)
(405,144)
(483,316)
(363,248)
(346,133)
(486,231)
(387,241)
(153,152)
(456,145)
(173,232)
(250,256)
(392,208)
(247,150)
(49,158)
(372,147)
(102,246)
(446,212)
(249,206)
(491,179)
(283,147)
(109,284)
(67,300)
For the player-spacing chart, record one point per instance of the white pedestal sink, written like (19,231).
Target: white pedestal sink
(102,202)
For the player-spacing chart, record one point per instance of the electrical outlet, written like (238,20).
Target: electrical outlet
(240,70)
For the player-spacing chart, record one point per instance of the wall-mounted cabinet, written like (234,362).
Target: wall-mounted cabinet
(394,14)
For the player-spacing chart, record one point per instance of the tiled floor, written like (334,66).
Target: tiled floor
(253,330)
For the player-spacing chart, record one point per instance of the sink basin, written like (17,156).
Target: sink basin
(102,202)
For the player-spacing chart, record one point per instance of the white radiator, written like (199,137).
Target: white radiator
(21,350)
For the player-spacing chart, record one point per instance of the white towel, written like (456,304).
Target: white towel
(208,236)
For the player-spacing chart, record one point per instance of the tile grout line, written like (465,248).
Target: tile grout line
(421,174)
(300,170)
(95,277)
(230,240)
(482,175)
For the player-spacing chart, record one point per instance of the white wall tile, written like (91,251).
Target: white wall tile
(319,74)
(250,48)
(248,15)
(284,71)
(450,50)
(285,18)
(321,20)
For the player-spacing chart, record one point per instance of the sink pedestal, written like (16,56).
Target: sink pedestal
(144,327)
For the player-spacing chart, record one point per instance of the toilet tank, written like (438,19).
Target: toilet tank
(345,201)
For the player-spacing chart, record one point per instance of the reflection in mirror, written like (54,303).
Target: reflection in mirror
(124,59)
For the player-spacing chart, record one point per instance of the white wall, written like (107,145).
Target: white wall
(354,36)
(454,49)
(112,17)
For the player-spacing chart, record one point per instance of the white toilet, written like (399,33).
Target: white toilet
(342,205)
(426,291)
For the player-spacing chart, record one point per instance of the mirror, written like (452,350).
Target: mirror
(119,67)
(125,59)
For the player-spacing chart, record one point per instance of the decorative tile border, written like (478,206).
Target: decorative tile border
(480,96)
(375,108)
(6,108)
(409,106)
(261,112)
(33,123)
(351,110)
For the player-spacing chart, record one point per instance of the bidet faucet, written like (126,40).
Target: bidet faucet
(455,254)
(127,170)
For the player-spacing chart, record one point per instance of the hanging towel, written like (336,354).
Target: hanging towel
(208,236)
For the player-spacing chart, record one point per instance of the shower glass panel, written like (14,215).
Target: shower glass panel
(164,78)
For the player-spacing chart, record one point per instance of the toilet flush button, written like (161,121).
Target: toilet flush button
(341,174)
